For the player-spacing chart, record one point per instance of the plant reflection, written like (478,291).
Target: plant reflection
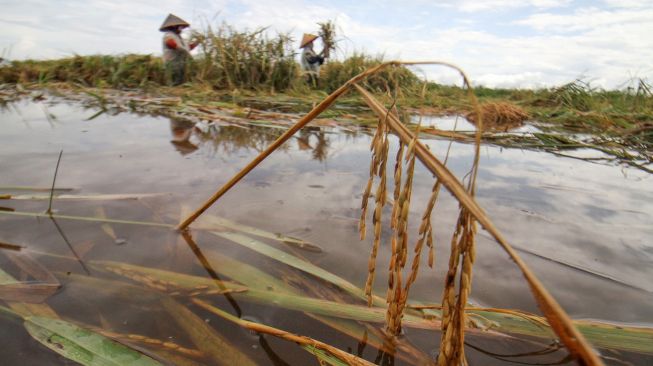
(553,349)
(187,137)
(209,269)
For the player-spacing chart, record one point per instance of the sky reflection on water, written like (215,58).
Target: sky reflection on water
(584,228)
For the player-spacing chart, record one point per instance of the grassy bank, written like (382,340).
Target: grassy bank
(576,106)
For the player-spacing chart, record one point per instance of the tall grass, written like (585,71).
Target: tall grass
(228,59)
(98,70)
(232,59)
(335,73)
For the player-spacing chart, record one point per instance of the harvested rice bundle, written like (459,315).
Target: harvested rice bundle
(499,116)
(328,34)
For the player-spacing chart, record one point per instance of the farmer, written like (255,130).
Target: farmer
(175,50)
(311,61)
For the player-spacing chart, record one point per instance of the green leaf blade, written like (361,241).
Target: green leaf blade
(82,345)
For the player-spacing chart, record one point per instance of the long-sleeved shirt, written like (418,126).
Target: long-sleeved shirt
(310,61)
(174,47)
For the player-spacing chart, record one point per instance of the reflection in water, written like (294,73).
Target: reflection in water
(232,138)
(181,134)
(273,356)
(518,357)
(70,246)
(209,269)
(187,137)
(384,359)
(321,142)
(574,218)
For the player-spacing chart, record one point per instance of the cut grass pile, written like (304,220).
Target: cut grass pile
(499,116)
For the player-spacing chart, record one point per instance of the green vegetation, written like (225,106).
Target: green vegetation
(100,71)
(231,59)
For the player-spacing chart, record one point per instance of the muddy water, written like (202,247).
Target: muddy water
(584,228)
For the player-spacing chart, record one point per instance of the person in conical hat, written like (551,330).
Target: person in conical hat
(176,50)
(310,60)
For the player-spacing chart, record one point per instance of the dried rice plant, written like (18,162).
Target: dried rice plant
(425,233)
(463,254)
(396,295)
(498,116)
(379,146)
(452,350)
(452,342)
(397,190)
(463,240)
(304,341)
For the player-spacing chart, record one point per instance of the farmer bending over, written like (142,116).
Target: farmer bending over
(311,61)
(175,50)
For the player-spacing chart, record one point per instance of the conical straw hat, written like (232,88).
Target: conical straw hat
(306,39)
(172,21)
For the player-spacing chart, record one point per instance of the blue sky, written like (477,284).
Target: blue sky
(499,43)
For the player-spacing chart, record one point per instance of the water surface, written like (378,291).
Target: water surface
(585,229)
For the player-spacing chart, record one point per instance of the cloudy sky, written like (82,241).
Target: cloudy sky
(499,43)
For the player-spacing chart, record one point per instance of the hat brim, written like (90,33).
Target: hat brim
(168,27)
(308,38)
(173,21)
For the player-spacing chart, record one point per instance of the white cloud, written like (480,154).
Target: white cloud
(499,5)
(64,28)
(586,19)
(629,4)
(608,42)
(523,79)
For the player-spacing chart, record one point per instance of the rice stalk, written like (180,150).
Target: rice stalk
(83,197)
(380,157)
(426,235)
(396,295)
(452,350)
(559,320)
(347,358)
(426,227)
(34,189)
(397,190)
(374,166)
(362,228)
(85,218)
(149,341)
(452,342)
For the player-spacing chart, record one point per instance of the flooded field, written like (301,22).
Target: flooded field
(585,229)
